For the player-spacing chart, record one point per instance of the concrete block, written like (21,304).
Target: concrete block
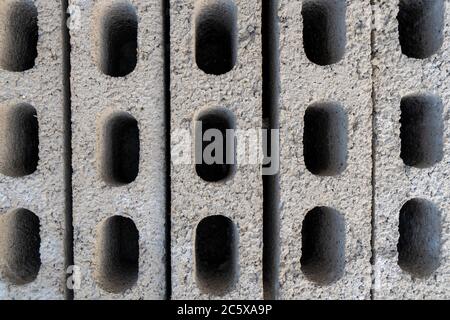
(325,149)
(411,94)
(32,197)
(119,187)
(216,214)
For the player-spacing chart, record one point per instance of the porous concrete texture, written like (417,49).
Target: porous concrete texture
(358,210)
(397,76)
(346,82)
(98,97)
(239,197)
(24,84)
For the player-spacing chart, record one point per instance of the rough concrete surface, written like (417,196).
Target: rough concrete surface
(358,210)
(304,83)
(396,76)
(95,95)
(239,197)
(40,191)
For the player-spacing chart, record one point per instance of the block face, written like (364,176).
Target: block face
(37,186)
(239,197)
(397,76)
(348,190)
(135,191)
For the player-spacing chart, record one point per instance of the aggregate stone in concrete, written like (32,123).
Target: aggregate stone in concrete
(32,197)
(238,198)
(104,152)
(341,247)
(396,76)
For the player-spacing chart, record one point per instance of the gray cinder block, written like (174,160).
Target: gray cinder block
(216,212)
(32,197)
(117,83)
(326,165)
(411,152)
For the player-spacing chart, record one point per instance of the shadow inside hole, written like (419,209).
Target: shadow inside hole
(117,254)
(19,140)
(421,27)
(422,130)
(325,139)
(216,255)
(18,35)
(118,39)
(420,238)
(323,245)
(220,147)
(119,148)
(216,36)
(324,30)
(20,246)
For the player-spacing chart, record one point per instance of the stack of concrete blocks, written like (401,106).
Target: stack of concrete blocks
(325,160)
(216,211)
(119,187)
(32,196)
(412,155)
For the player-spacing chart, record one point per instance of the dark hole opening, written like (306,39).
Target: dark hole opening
(325,139)
(216,254)
(421,27)
(120,149)
(215,36)
(118,52)
(421,131)
(19,133)
(18,35)
(219,119)
(117,254)
(323,245)
(20,247)
(324,30)
(420,238)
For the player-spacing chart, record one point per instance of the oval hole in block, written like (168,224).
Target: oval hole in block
(216,255)
(20,243)
(117,254)
(117,32)
(215,156)
(422,130)
(421,27)
(19,140)
(18,35)
(324,30)
(325,139)
(215,35)
(420,238)
(323,245)
(118,144)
